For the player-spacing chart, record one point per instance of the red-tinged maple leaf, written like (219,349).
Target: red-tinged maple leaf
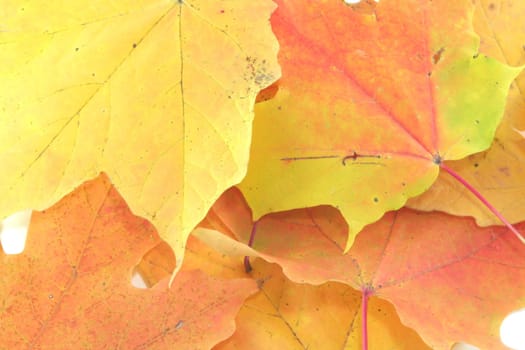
(71,289)
(294,316)
(370,104)
(449,279)
(498,172)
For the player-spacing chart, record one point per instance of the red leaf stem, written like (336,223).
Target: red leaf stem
(484,201)
(247,265)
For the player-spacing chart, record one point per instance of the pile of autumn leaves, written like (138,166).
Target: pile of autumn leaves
(351,117)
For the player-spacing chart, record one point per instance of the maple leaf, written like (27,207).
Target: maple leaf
(71,286)
(369,106)
(498,172)
(287,315)
(157,94)
(448,279)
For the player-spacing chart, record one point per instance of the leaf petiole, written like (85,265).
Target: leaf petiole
(366,292)
(483,200)
(247,265)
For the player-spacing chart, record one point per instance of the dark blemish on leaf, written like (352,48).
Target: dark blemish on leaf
(134,45)
(260,283)
(429,74)
(76,49)
(257,73)
(403,184)
(437,55)
(476,121)
(498,142)
(262,79)
(492,6)
(376,199)
(437,159)
(475,56)
(279,107)
(476,165)
(504,170)
(221,11)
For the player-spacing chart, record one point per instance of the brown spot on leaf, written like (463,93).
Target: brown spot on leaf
(504,171)
(437,55)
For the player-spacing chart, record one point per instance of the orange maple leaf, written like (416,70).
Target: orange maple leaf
(370,105)
(71,287)
(449,279)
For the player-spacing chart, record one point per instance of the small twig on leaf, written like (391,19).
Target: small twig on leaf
(247,265)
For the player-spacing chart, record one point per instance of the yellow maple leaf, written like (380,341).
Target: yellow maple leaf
(157,94)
